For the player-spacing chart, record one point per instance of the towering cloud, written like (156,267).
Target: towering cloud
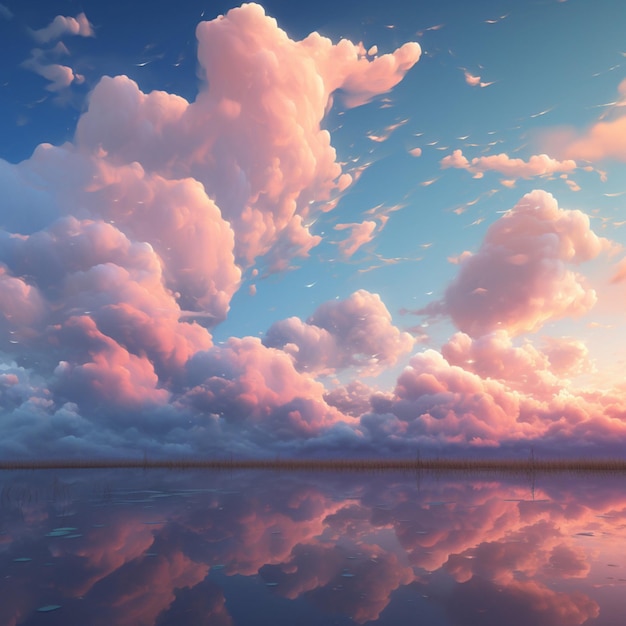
(114,243)
(253,136)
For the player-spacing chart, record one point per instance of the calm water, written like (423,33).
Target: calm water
(175,548)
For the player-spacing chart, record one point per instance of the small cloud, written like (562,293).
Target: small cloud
(460,258)
(475,81)
(360,234)
(497,19)
(61,26)
(537,165)
(60,76)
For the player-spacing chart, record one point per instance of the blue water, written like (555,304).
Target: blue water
(170,548)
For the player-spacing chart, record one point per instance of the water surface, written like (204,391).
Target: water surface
(165,548)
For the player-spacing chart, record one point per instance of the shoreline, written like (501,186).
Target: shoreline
(413,465)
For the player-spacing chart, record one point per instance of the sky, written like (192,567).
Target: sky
(333,229)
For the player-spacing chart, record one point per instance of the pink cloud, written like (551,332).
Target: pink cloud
(537,165)
(112,376)
(232,138)
(249,383)
(360,234)
(61,26)
(537,373)
(520,277)
(357,331)
(604,139)
(494,356)
(351,399)
(475,81)
(471,80)
(445,402)
(92,277)
(488,392)
(195,245)
(567,356)
(316,571)
(21,308)
(619,274)
(534,603)
(118,240)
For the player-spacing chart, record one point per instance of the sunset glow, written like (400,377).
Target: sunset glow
(378,229)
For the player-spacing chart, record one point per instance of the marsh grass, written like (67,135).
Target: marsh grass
(517,466)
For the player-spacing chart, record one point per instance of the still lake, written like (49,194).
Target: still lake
(175,548)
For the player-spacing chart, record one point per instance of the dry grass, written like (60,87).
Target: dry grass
(531,464)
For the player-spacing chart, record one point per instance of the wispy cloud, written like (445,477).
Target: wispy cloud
(5,13)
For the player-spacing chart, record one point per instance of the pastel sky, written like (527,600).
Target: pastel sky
(331,229)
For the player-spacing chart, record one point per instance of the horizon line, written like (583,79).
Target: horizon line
(532,464)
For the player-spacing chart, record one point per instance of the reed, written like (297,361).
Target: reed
(532,464)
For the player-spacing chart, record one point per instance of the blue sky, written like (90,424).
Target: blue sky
(440,152)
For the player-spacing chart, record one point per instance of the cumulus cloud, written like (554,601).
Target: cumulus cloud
(351,399)
(258,387)
(233,138)
(521,275)
(541,373)
(356,331)
(438,405)
(100,318)
(62,26)
(436,400)
(495,356)
(537,165)
(119,248)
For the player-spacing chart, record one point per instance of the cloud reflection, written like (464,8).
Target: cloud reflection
(157,548)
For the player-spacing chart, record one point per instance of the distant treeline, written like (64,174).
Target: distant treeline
(532,464)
